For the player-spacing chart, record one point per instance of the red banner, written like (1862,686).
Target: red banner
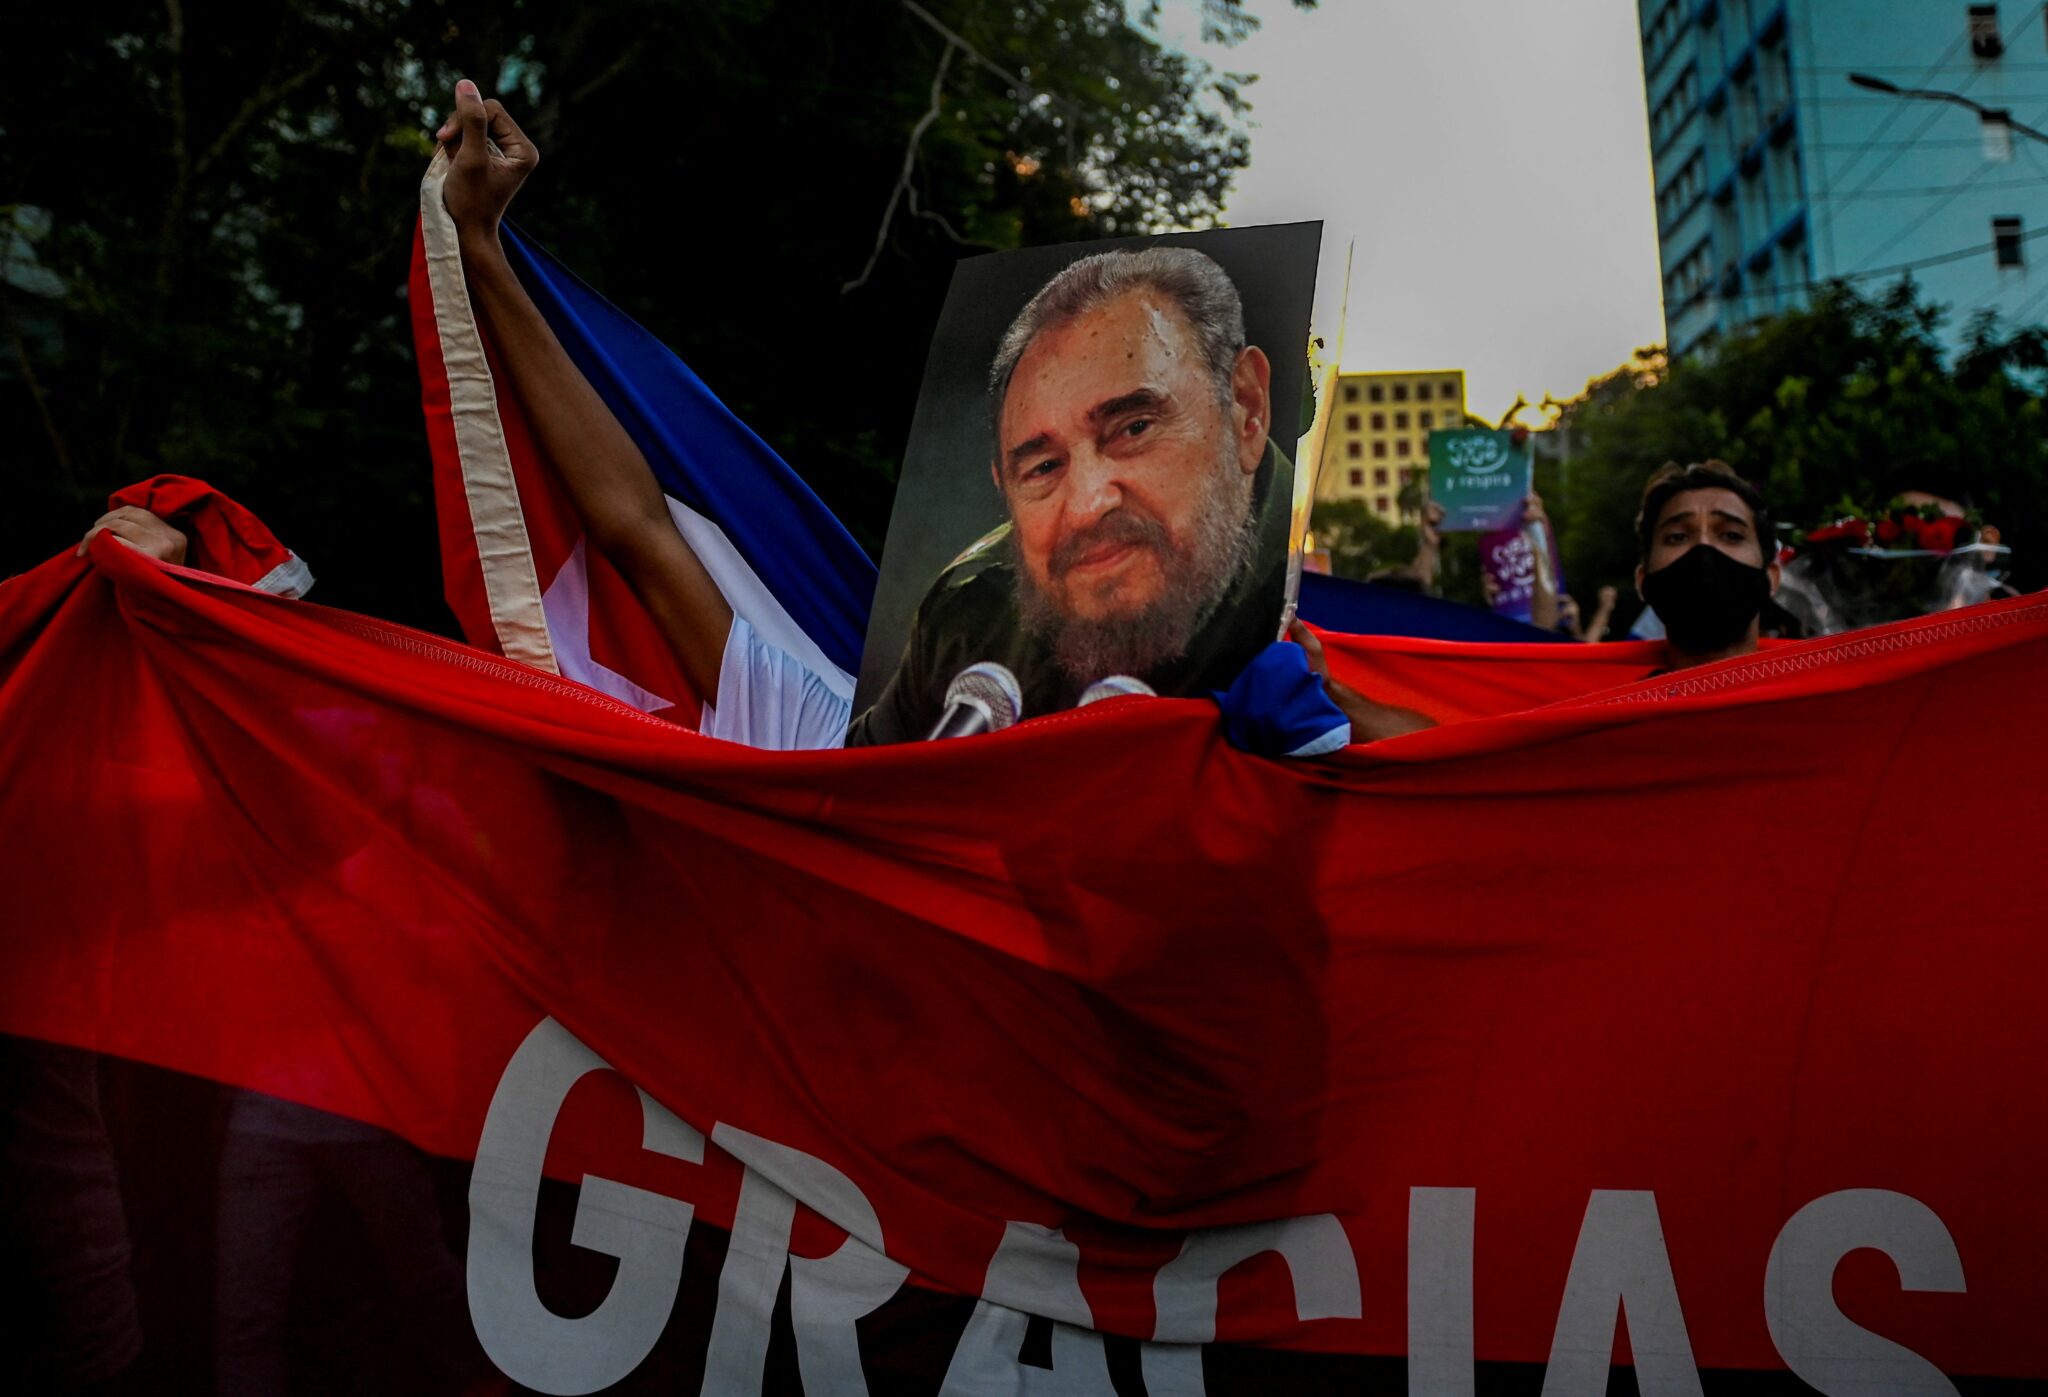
(1710,999)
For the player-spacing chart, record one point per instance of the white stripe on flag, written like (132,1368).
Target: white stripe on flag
(567,604)
(511,586)
(749,597)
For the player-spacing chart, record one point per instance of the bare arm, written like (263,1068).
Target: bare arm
(1428,546)
(608,480)
(1370,719)
(1596,629)
(1543,603)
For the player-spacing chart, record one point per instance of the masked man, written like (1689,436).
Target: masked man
(1709,561)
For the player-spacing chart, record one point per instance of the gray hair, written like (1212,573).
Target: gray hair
(1202,291)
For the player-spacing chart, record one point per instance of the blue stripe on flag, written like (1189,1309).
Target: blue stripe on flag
(711,461)
(1365,608)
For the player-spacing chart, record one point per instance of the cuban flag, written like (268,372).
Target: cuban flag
(516,568)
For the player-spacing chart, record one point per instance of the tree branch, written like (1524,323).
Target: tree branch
(35,384)
(903,185)
(265,97)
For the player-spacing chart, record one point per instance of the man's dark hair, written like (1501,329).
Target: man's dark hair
(1192,281)
(1671,480)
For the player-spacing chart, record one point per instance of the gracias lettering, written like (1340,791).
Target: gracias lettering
(1619,1263)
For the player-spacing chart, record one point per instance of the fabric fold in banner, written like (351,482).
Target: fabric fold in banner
(1623,993)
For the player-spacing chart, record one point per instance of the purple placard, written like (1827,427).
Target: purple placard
(1508,557)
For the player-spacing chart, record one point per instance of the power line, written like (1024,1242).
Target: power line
(1886,124)
(1893,159)
(1906,230)
(1897,269)
(1925,126)
(1938,142)
(1931,210)
(1856,101)
(1930,190)
(2029,306)
(2003,67)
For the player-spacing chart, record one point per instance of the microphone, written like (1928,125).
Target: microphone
(1116,686)
(982,698)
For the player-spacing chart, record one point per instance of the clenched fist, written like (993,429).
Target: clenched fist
(491,157)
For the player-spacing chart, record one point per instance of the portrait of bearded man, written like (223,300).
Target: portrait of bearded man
(1146,502)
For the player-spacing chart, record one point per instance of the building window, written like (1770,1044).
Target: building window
(1379,422)
(1684,187)
(1997,130)
(1357,479)
(1400,421)
(1400,392)
(1379,475)
(1350,421)
(1379,451)
(1350,392)
(2008,242)
(1352,450)
(1450,391)
(1401,447)
(1380,504)
(1408,475)
(1376,393)
(1425,419)
(1422,392)
(1985,42)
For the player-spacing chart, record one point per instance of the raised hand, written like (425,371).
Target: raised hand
(491,158)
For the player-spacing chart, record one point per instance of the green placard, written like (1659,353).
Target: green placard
(1479,476)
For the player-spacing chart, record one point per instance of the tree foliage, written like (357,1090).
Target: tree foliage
(212,211)
(1850,396)
(1360,542)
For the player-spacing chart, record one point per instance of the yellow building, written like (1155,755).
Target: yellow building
(1379,434)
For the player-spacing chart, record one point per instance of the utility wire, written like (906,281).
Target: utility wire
(1939,142)
(1892,116)
(1928,191)
(1897,269)
(2003,67)
(2029,306)
(1907,230)
(1934,116)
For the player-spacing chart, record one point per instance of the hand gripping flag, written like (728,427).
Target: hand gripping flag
(518,574)
(1703,1008)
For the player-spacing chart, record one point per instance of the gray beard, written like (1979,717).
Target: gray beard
(1200,576)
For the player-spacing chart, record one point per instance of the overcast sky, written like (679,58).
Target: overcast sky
(1488,160)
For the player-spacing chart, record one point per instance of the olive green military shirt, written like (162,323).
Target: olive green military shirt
(970,615)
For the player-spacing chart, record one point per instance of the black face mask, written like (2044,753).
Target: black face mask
(1706,599)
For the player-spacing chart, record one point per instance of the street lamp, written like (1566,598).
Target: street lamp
(1929,94)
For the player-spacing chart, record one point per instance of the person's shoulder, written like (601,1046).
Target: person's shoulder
(989,553)
(979,578)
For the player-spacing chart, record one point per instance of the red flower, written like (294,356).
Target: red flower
(1940,534)
(1889,531)
(1854,530)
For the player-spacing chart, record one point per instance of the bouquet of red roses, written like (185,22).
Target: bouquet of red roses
(1912,556)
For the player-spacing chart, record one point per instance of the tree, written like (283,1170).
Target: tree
(1360,542)
(1850,396)
(214,209)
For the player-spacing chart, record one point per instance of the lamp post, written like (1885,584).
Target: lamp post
(1930,94)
